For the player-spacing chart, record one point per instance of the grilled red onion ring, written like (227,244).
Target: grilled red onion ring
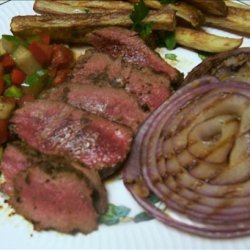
(193,153)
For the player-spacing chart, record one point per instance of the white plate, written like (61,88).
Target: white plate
(16,233)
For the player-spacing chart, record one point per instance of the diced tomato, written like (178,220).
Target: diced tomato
(41,52)
(26,98)
(4,133)
(45,39)
(7,62)
(1,85)
(61,76)
(62,57)
(17,76)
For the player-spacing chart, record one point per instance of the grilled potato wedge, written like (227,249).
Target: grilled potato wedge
(201,40)
(237,20)
(76,7)
(183,10)
(214,7)
(72,28)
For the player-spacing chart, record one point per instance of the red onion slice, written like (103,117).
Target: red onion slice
(193,153)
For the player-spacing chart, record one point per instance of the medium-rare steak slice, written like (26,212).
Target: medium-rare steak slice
(119,42)
(62,202)
(149,88)
(56,128)
(111,103)
(52,192)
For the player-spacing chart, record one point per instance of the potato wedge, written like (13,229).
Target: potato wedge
(72,28)
(201,40)
(230,3)
(237,20)
(76,7)
(185,11)
(188,13)
(214,7)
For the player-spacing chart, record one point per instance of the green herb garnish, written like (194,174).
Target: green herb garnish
(138,14)
(171,56)
(170,41)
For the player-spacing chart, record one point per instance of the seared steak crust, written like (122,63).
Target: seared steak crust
(149,88)
(119,42)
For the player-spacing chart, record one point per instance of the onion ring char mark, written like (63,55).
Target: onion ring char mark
(199,173)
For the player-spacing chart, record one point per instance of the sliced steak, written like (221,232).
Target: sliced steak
(119,42)
(52,192)
(114,104)
(12,163)
(150,89)
(56,128)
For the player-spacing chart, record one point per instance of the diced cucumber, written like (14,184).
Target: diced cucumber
(10,43)
(2,50)
(7,80)
(6,109)
(1,152)
(13,92)
(25,60)
(35,82)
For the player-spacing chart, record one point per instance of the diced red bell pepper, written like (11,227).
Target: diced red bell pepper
(41,52)
(7,62)
(45,39)
(17,76)
(61,76)
(62,57)
(1,85)
(4,132)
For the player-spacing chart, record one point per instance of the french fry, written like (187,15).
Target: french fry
(72,28)
(211,7)
(204,41)
(237,20)
(76,7)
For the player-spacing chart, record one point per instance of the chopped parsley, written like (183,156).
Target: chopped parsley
(171,56)
(138,14)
